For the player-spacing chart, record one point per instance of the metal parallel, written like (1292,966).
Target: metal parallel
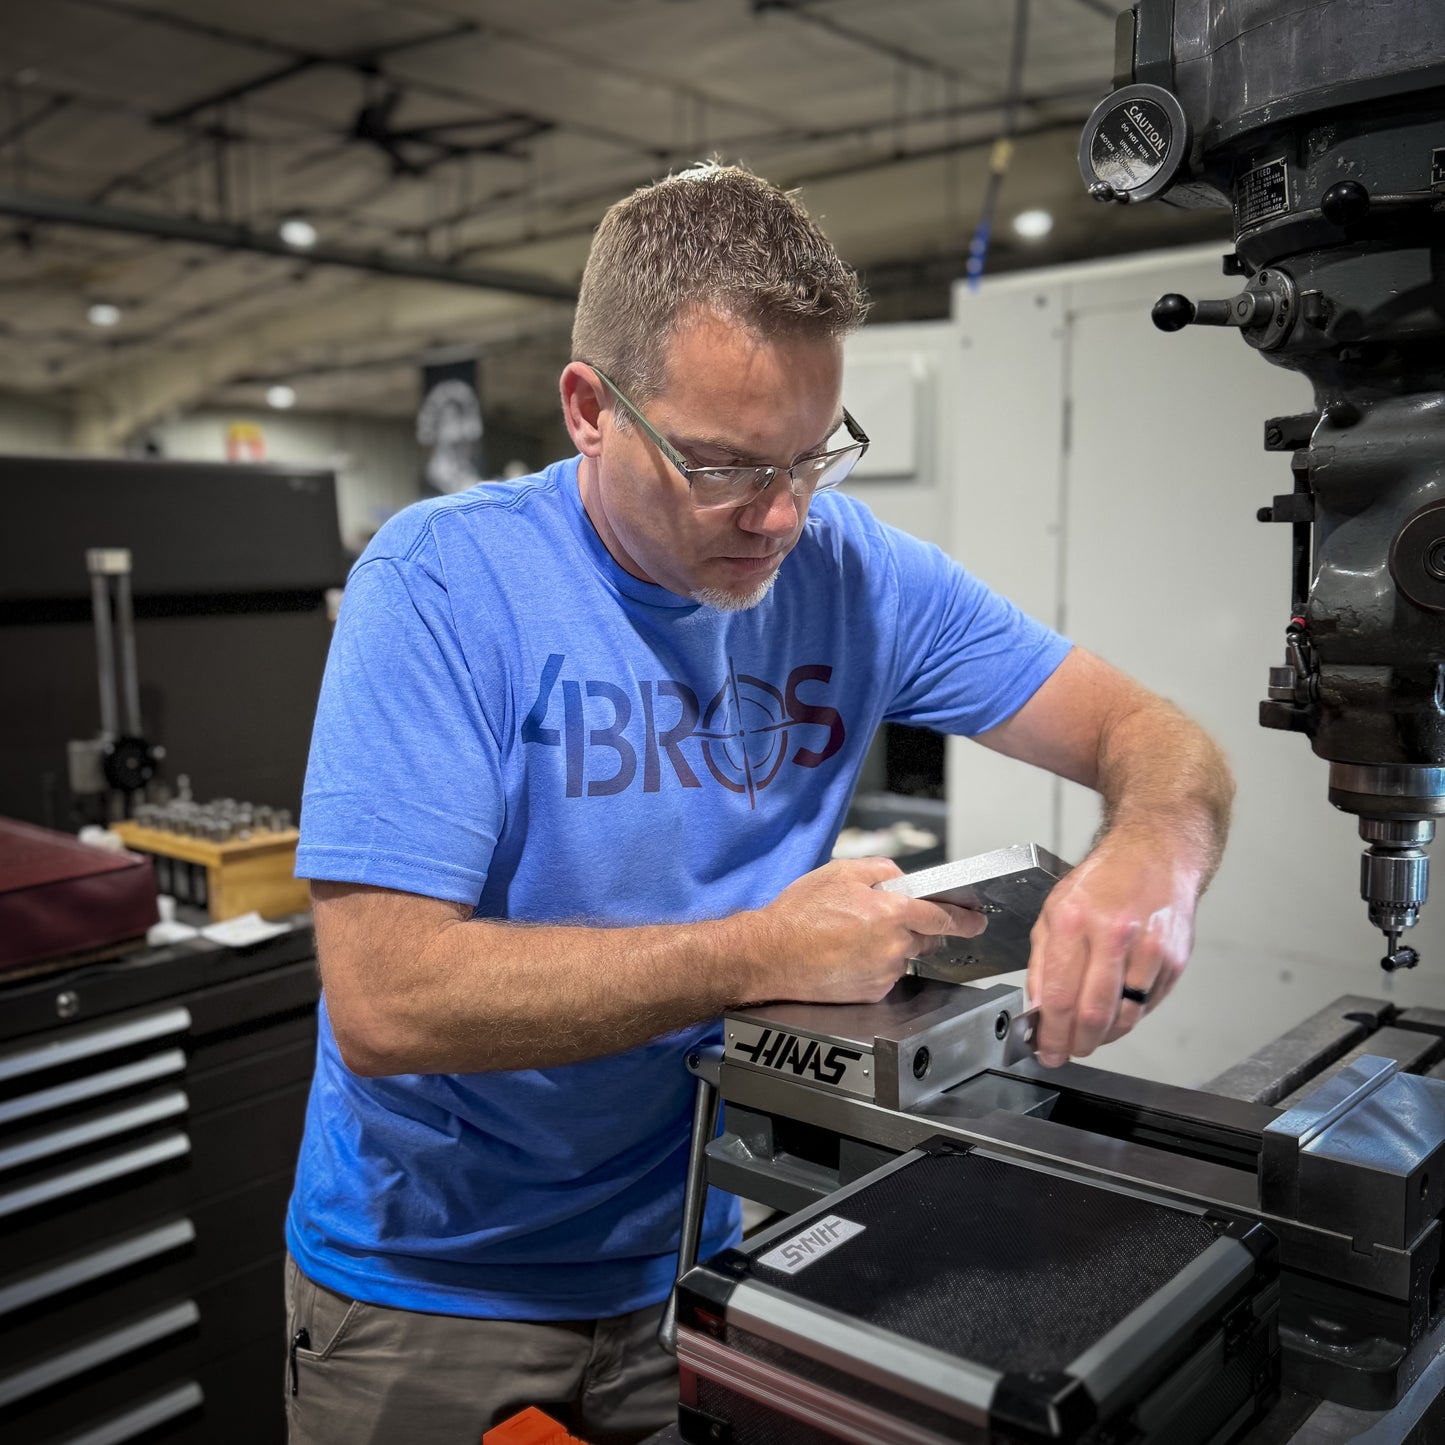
(1007,885)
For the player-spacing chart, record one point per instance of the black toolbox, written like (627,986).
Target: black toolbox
(957,1295)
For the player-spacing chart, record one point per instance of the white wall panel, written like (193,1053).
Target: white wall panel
(899,382)
(1005,479)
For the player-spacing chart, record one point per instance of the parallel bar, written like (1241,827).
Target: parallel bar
(1228,1113)
(1021,1134)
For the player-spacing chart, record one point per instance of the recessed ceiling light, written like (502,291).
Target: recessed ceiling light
(281,397)
(1033,225)
(299,232)
(102,313)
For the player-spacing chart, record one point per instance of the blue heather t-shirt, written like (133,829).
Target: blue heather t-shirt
(511,721)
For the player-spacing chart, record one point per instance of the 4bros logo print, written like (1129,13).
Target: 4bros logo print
(741,737)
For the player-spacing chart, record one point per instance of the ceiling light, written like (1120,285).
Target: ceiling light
(299,232)
(281,397)
(1033,225)
(102,313)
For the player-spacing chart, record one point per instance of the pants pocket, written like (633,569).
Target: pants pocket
(323,1316)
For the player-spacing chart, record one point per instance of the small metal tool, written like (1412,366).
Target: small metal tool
(1022,1039)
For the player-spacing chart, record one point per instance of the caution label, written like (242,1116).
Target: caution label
(1131,144)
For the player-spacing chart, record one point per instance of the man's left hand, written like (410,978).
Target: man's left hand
(1124,918)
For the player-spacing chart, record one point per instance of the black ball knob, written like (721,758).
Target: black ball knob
(1172,312)
(1345,203)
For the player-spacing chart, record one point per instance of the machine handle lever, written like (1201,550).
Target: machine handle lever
(1174,312)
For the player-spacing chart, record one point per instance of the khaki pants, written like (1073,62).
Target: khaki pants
(378,1376)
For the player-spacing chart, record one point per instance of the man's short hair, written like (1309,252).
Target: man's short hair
(715,237)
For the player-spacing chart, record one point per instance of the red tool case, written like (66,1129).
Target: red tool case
(59,896)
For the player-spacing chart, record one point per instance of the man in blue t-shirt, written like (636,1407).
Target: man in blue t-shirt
(583,747)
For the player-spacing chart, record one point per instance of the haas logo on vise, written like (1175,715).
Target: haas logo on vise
(806,1058)
(742,737)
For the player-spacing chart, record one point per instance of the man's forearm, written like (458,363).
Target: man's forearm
(1161,774)
(485,995)
(416,985)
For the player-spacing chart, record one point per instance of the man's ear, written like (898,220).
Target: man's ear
(582,407)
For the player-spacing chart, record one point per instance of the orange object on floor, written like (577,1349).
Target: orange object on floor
(531,1427)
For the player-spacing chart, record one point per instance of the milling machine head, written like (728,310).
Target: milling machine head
(1318,125)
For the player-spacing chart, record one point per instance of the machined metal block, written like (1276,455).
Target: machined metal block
(1008,885)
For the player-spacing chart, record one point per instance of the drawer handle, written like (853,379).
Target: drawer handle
(92,1086)
(85,1043)
(94,1129)
(170,1406)
(111,1260)
(124,1341)
(117,1166)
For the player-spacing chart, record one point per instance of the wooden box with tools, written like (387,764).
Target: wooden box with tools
(239,875)
(957,1295)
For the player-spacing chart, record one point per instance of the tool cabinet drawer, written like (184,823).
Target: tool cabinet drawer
(47,1304)
(114,1369)
(146,1159)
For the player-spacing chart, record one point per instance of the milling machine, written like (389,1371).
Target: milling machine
(1320,125)
(977,1248)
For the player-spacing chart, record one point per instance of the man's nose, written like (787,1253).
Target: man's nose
(773,513)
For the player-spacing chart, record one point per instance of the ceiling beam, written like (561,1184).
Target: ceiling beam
(364,63)
(64,211)
(523,196)
(874,43)
(798,174)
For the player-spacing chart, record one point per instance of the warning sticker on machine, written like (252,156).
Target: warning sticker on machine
(1437,169)
(1131,144)
(1261,193)
(820,1238)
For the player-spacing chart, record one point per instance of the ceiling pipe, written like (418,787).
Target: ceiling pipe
(63,211)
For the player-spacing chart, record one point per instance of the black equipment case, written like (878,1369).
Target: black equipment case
(956,1295)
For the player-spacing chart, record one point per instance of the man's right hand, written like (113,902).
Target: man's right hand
(832,937)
